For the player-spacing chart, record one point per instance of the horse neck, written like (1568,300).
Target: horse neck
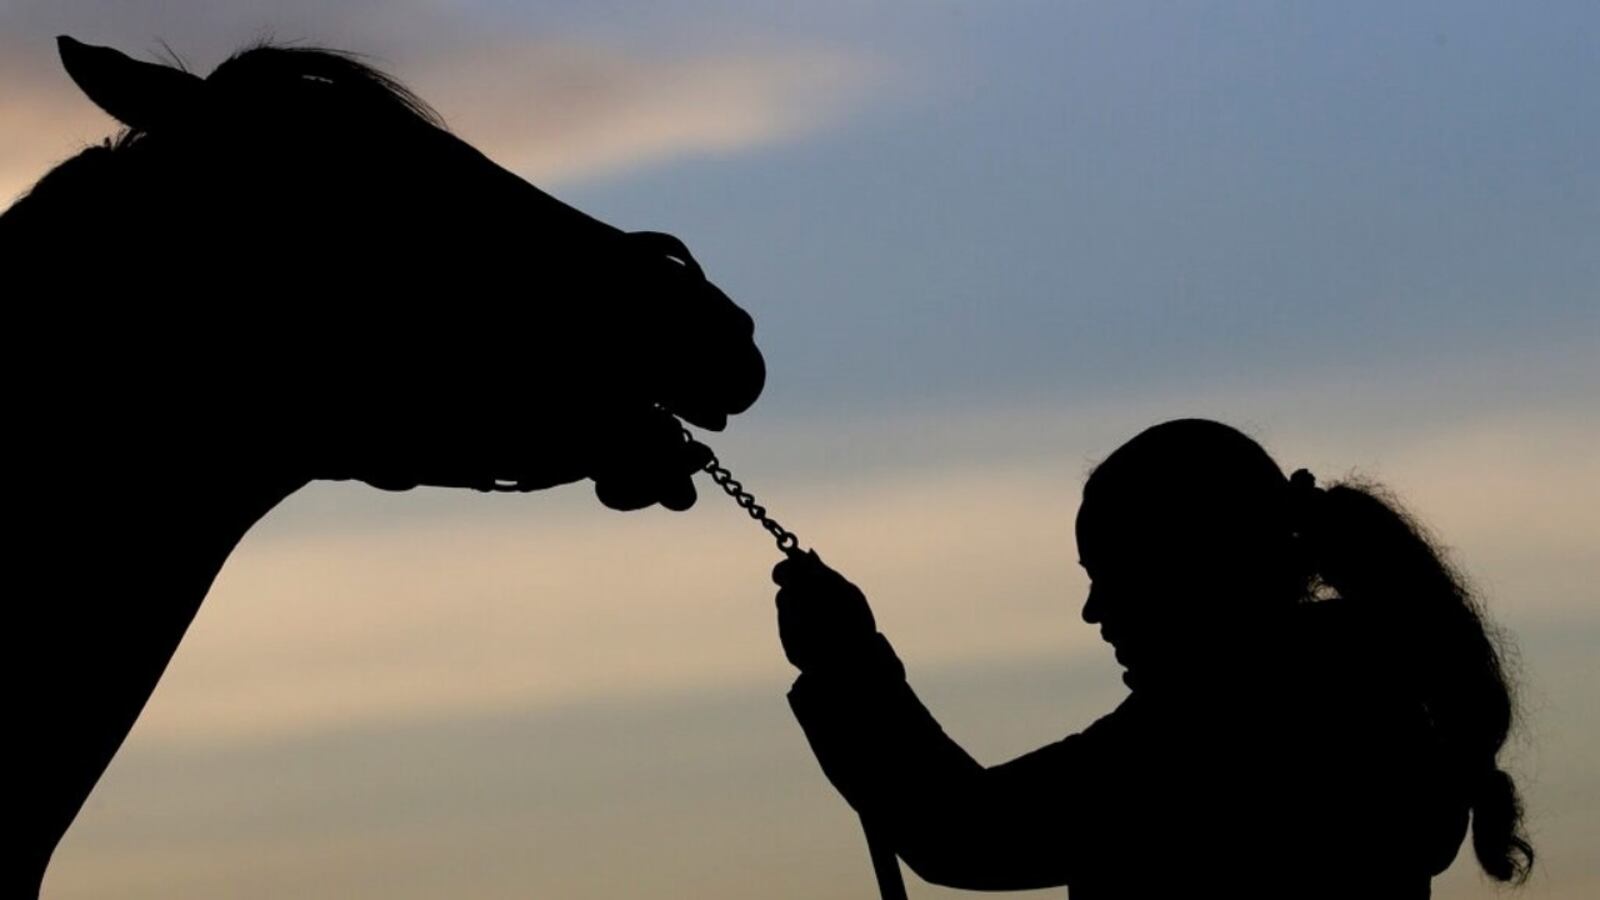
(153,493)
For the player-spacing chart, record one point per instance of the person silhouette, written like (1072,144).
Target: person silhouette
(1315,710)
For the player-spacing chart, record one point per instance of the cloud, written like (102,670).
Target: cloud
(43,121)
(555,112)
(386,692)
(559,112)
(550,600)
(471,615)
(700,796)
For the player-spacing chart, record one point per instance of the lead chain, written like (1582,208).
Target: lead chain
(787,542)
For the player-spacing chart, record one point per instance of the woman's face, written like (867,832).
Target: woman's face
(1142,592)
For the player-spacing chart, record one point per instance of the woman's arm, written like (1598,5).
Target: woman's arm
(1024,824)
(952,820)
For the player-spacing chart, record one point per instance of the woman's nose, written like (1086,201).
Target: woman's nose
(1092,611)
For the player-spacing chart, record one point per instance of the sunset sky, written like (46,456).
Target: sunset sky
(983,243)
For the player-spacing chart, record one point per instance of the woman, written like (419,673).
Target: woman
(1316,705)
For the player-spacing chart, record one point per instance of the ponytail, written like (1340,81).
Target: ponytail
(1365,550)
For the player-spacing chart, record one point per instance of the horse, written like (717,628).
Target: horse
(288,270)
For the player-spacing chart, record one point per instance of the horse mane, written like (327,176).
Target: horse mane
(348,85)
(356,86)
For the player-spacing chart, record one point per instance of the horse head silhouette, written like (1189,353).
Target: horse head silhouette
(289,270)
(300,233)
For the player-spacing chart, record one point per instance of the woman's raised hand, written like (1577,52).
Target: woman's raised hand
(823,620)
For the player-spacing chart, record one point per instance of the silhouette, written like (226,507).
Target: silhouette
(1316,700)
(290,270)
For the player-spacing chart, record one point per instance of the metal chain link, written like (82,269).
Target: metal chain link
(787,541)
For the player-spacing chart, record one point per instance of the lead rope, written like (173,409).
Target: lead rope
(885,865)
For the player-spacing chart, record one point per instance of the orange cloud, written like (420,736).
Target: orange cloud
(43,120)
(561,112)
(568,603)
(553,112)
(549,599)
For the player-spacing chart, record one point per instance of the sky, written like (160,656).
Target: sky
(983,244)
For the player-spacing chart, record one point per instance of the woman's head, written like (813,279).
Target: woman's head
(1188,537)
(1197,546)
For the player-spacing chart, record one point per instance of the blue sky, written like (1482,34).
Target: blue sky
(983,244)
(1104,196)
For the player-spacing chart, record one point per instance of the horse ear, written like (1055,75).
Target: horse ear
(137,94)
